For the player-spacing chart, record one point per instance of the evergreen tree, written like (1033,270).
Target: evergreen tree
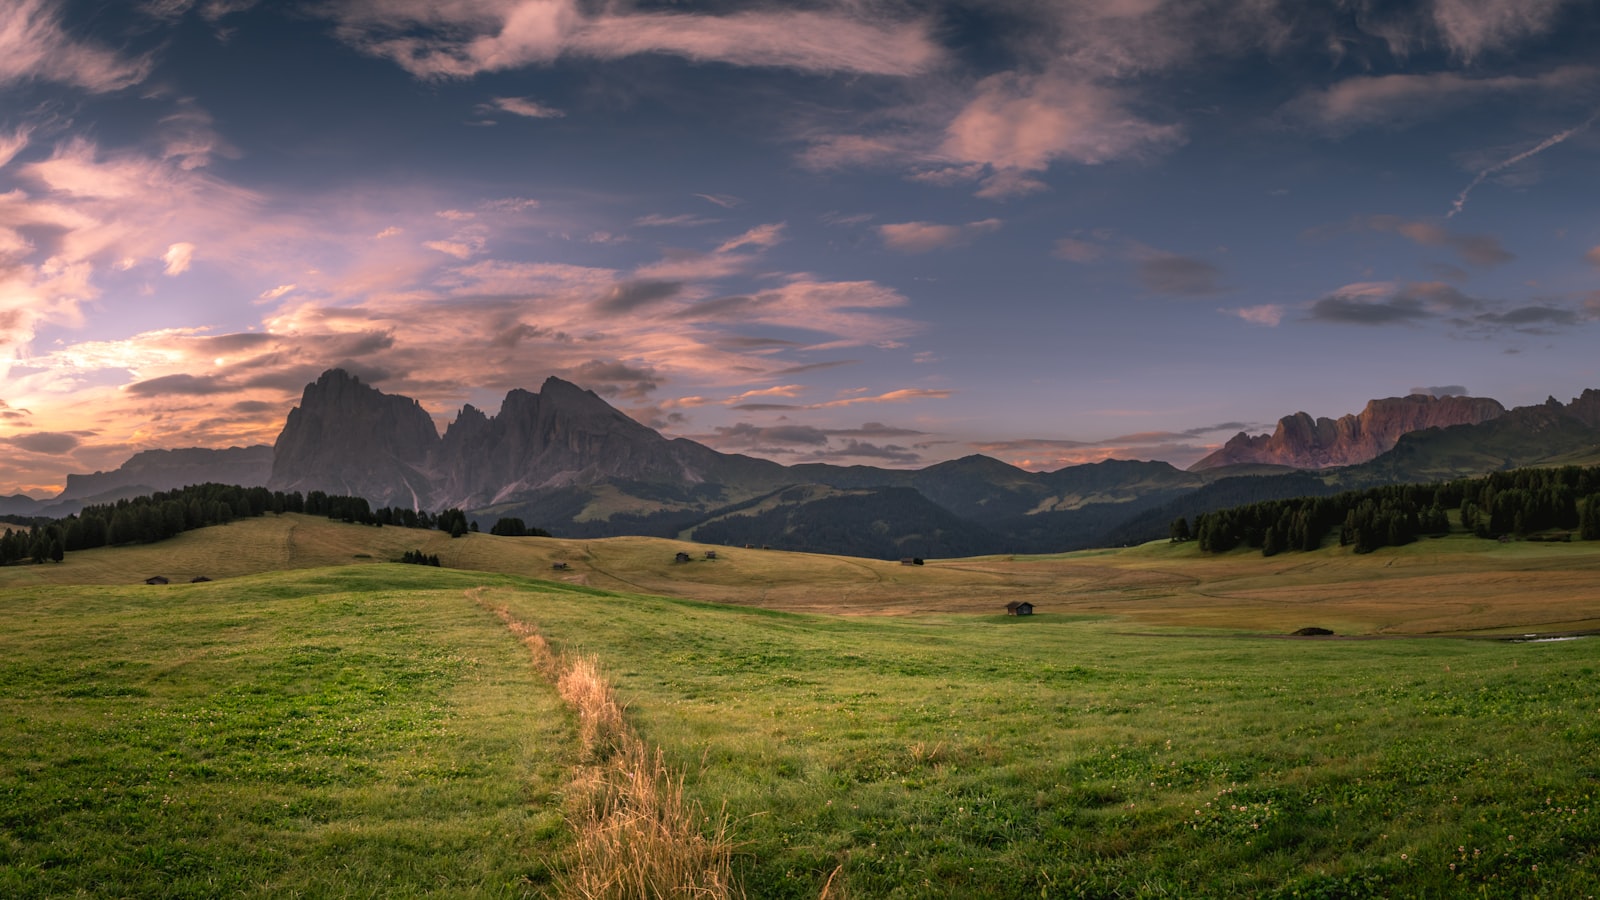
(1589,518)
(1179,530)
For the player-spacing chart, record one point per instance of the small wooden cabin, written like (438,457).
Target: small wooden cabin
(1019,608)
(911,561)
(158,579)
(681,557)
(559,567)
(199,579)
(711,554)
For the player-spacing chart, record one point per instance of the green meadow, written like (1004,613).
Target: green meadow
(373,729)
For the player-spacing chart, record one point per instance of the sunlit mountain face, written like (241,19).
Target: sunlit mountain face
(888,234)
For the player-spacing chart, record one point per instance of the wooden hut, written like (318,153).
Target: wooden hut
(1019,608)
(158,579)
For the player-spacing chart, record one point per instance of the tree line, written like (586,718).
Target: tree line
(165,514)
(1523,503)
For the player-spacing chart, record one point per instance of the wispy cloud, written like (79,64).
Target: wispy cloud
(1024,123)
(726,201)
(1478,249)
(1471,28)
(34,45)
(459,40)
(520,106)
(684,220)
(1267,314)
(922,237)
(13,144)
(1403,99)
(1551,141)
(760,237)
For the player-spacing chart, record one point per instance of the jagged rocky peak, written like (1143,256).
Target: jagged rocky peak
(341,414)
(1586,407)
(351,438)
(562,435)
(1307,443)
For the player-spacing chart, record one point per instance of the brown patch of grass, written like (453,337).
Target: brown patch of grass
(600,725)
(637,834)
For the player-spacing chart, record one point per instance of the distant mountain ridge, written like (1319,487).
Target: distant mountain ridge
(565,460)
(147,472)
(1305,443)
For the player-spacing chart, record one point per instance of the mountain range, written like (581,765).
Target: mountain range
(1302,442)
(565,460)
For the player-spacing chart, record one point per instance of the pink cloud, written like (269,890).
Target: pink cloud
(922,237)
(178,258)
(34,46)
(521,106)
(898,396)
(461,40)
(1008,184)
(1024,123)
(12,144)
(839,151)
(1268,314)
(1364,101)
(460,249)
(1472,27)
(760,237)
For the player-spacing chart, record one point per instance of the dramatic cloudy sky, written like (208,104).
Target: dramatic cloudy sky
(875,231)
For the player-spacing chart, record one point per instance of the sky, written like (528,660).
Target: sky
(884,232)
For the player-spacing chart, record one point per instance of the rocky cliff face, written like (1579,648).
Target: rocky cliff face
(1306,443)
(559,437)
(346,437)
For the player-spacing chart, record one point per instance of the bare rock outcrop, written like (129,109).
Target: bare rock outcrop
(1306,443)
(350,438)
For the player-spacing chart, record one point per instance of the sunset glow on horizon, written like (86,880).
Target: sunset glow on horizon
(885,233)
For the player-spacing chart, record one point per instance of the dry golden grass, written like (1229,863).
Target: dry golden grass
(1451,585)
(636,834)
(600,725)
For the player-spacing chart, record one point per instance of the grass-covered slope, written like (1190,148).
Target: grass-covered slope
(323,733)
(1451,585)
(370,730)
(999,757)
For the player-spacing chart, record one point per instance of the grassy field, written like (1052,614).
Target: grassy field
(1452,585)
(349,727)
(272,736)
